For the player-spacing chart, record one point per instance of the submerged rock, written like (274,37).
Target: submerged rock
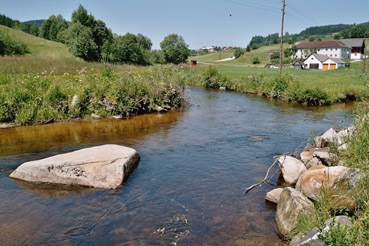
(291,204)
(291,168)
(311,181)
(105,166)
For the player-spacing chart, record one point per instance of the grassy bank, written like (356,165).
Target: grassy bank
(38,98)
(356,156)
(305,87)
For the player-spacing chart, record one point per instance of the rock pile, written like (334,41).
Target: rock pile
(315,172)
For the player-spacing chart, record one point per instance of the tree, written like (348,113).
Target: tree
(175,49)
(311,38)
(238,52)
(80,15)
(52,27)
(337,36)
(131,49)
(345,33)
(358,31)
(254,46)
(248,48)
(80,42)
(157,57)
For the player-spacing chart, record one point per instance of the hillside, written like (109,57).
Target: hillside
(45,57)
(39,46)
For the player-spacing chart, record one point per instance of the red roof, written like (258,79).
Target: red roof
(322,44)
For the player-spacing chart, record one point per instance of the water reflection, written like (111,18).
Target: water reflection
(194,168)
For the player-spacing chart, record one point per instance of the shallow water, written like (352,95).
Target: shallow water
(188,188)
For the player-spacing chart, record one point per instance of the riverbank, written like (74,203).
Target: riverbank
(328,183)
(310,88)
(44,98)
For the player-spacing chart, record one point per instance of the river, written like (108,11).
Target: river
(188,187)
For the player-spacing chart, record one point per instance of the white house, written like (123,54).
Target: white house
(323,62)
(357,47)
(331,48)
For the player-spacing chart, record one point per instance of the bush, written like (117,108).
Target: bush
(254,46)
(275,55)
(11,47)
(255,60)
(310,97)
(211,78)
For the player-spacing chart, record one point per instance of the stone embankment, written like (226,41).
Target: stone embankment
(105,166)
(317,170)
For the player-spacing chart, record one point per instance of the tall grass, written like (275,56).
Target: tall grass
(37,98)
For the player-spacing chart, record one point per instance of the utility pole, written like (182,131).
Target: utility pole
(281,50)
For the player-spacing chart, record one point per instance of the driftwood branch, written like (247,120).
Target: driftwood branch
(265,180)
(262,181)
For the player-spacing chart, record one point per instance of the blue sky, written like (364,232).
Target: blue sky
(200,22)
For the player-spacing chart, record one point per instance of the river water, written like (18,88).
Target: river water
(188,187)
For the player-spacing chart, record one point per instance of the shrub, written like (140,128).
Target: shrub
(255,60)
(211,78)
(11,47)
(238,52)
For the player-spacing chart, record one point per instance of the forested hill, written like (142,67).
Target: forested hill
(337,31)
(329,29)
(37,23)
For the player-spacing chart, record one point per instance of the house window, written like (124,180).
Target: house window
(330,49)
(336,48)
(335,55)
(330,55)
(326,49)
(318,49)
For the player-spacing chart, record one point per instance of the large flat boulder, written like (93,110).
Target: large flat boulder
(291,168)
(105,166)
(291,204)
(311,181)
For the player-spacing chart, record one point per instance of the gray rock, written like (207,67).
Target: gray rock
(313,162)
(312,239)
(105,166)
(291,168)
(291,204)
(342,190)
(274,195)
(329,137)
(343,147)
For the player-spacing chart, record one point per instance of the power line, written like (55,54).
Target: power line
(304,15)
(254,6)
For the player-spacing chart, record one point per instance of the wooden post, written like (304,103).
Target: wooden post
(281,49)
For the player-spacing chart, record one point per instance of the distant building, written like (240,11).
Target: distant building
(331,48)
(298,65)
(323,62)
(357,47)
(229,47)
